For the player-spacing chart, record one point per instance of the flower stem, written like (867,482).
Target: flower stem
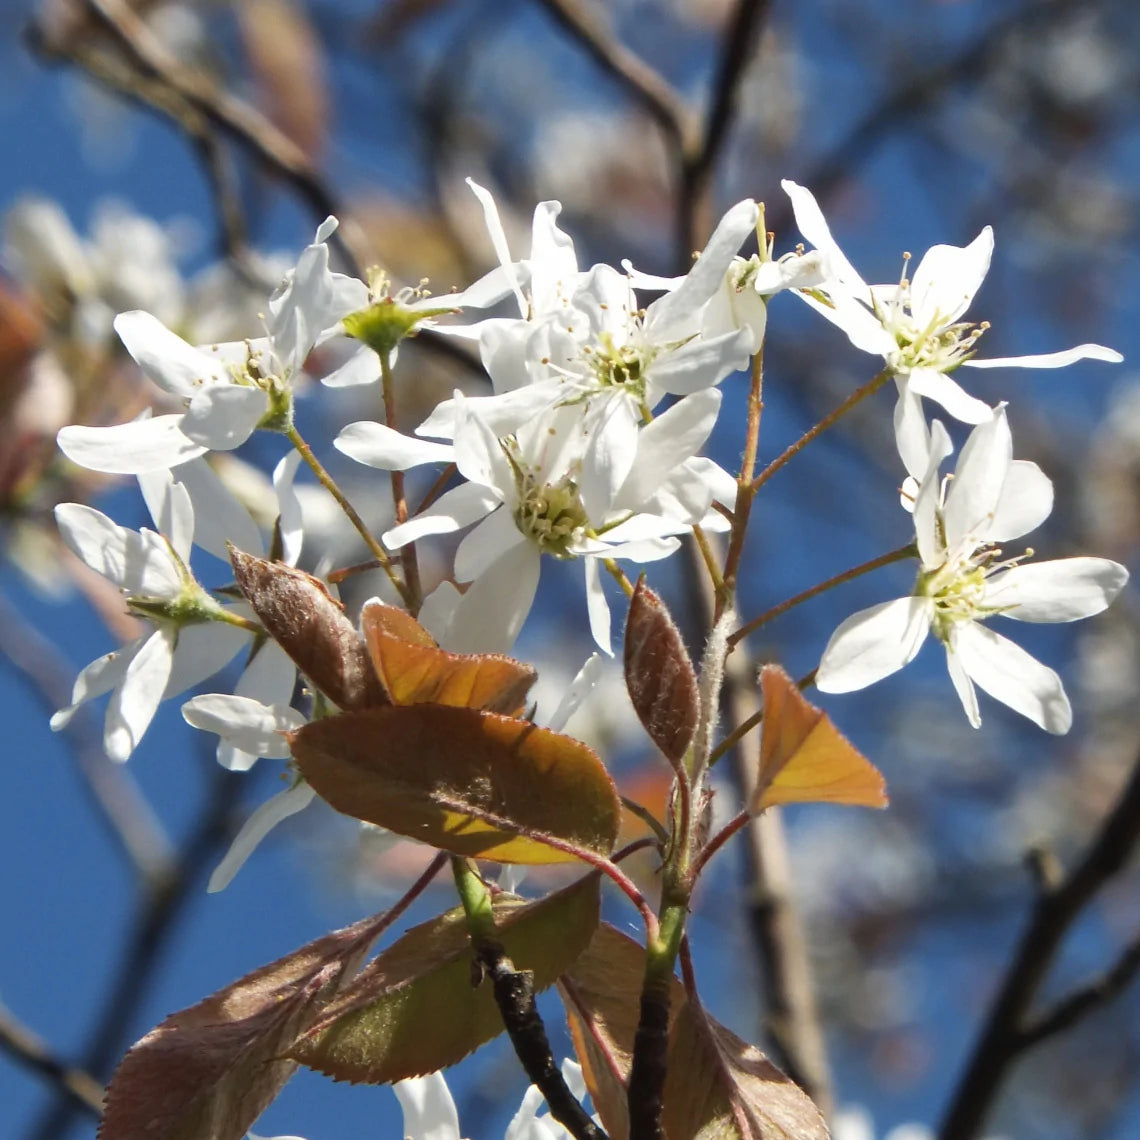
(408,558)
(330,485)
(907,551)
(856,397)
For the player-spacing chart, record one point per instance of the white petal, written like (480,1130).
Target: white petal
(976,490)
(247,724)
(668,441)
(489,290)
(492,611)
(677,313)
(963,686)
(362,367)
(596,606)
(644,549)
(201,651)
(947,278)
(429,1111)
(170,508)
(378,445)
(478,453)
(553,263)
(165,358)
(864,330)
(438,611)
(814,227)
(1012,676)
(1025,503)
(873,644)
(930,545)
(134,703)
(137,561)
(940,388)
(255,829)
(100,677)
(268,678)
(485,543)
(452,511)
(502,413)
(1050,359)
(584,683)
(498,238)
(218,516)
(912,436)
(699,364)
(224,416)
(130,448)
(1067,589)
(290,518)
(610,454)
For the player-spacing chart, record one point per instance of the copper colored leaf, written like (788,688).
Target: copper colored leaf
(470,782)
(414,1009)
(718,1087)
(659,675)
(287,66)
(391,619)
(804,758)
(298,612)
(416,673)
(207,1072)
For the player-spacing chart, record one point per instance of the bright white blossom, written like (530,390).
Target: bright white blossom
(965,580)
(227,390)
(192,635)
(550,489)
(915,325)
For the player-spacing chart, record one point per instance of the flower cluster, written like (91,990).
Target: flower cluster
(605,388)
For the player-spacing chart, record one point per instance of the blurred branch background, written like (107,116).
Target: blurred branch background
(171,155)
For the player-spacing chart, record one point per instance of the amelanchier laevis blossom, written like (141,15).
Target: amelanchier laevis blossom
(964,580)
(228,390)
(192,635)
(547,489)
(584,339)
(916,326)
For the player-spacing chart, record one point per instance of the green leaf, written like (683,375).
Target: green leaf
(415,1009)
(208,1072)
(718,1086)
(470,782)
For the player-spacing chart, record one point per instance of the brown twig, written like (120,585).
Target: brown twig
(83,1091)
(242,122)
(646,85)
(1008,1032)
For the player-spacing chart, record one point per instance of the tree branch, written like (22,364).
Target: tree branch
(1007,1033)
(83,1091)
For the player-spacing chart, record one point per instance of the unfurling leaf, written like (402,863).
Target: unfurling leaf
(414,1009)
(414,672)
(804,758)
(717,1087)
(301,615)
(469,782)
(659,675)
(208,1072)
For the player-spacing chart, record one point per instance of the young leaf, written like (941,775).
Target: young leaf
(804,757)
(718,1087)
(309,624)
(393,620)
(416,673)
(659,675)
(208,1072)
(414,1009)
(469,782)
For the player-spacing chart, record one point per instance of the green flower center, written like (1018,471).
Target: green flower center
(551,515)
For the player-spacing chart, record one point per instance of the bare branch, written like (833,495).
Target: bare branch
(646,85)
(1007,1034)
(80,1087)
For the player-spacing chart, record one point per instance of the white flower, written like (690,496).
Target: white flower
(964,581)
(916,325)
(193,636)
(550,489)
(228,390)
(584,339)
